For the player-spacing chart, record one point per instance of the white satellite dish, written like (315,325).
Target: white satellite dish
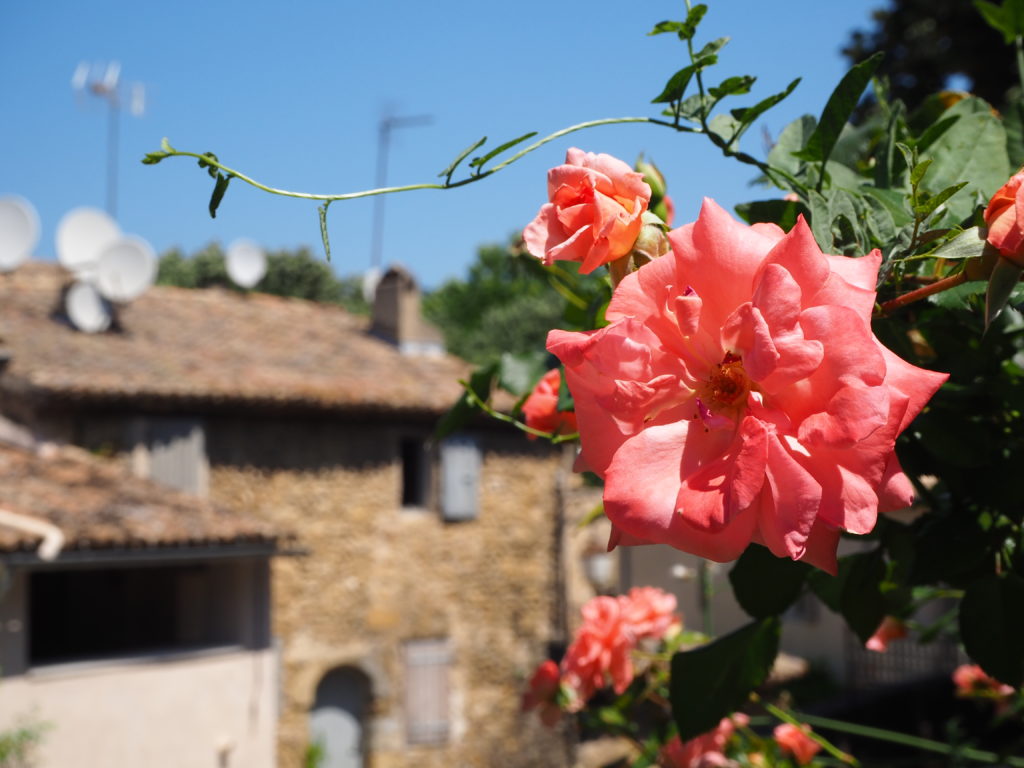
(125,269)
(86,309)
(19,231)
(82,235)
(246,263)
(371,278)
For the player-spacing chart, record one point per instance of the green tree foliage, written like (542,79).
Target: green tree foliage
(298,274)
(927,41)
(507,303)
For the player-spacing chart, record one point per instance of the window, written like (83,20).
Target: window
(415,472)
(95,613)
(177,454)
(460,478)
(427,664)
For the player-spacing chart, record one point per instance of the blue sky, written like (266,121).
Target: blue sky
(291,93)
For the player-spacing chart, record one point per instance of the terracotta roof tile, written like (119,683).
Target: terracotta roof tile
(97,505)
(216,346)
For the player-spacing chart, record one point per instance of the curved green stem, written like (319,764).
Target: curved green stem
(473,177)
(486,408)
(833,750)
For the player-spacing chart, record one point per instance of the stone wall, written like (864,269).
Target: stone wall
(369,576)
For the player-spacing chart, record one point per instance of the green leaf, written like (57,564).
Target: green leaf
(997,17)
(688,28)
(793,137)
(829,588)
(219,188)
(152,158)
(926,207)
(992,626)
(959,297)
(663,27)
(747,115)
(676,85)
(210,169)
(565,401)
(934,131)
(893,201)
(165,145)
(322,210)
(1013,124)
(766,585)
(972,150)
(710,50)
(879,220)
(732,86)
(968,244)
(726,127)
(861,601)
(838,109)
(693,107)
(481,382)
(447,172)
(919,171)
(821,224)
(1005,276)
(781,212)
(479,161)
(518,373)
(714,680)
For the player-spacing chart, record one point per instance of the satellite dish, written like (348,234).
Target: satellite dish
(86,309)
(371,278)
(246,263)
(19,231)
(82,235)
(125,269)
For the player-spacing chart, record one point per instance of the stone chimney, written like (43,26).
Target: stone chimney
(398,317)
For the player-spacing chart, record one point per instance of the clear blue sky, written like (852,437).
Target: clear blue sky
(291,93)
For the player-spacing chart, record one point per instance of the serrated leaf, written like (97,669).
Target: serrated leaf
(676,86)
(879,221)
(693,107)
(322,210)
(766,585)
(934,132)
(479,161)
(919,171)
(714,680)
(968,244)
(732,86)
(821,224)
(838,109)
(220,186)
(933,202)
(1004,278)
(447,172)
(518,373)
(747,115)
(464,409)
(861,601)
(792,138)
(992,626)
(726,127)
(893,201)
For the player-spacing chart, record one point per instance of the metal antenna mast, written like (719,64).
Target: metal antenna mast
(384,129)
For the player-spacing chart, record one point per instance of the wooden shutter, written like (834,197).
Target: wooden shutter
(177,454)
(427,664)
(460,478)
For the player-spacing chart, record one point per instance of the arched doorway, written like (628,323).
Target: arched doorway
(337,719)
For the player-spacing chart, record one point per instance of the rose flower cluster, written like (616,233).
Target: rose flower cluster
(738,393)
(601,652)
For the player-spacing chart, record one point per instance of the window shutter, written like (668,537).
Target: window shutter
(177,454)
(460,478)
(427,665)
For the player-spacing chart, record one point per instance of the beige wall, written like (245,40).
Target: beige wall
(216,710)
(374,576)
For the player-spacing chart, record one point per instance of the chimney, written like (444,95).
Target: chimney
(398,318)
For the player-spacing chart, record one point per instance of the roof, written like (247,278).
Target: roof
(210,347)
(97,505)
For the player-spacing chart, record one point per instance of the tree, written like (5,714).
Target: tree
(289,273)
(927,41)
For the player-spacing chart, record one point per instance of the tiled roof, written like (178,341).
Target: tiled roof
(97,505)
(214,347)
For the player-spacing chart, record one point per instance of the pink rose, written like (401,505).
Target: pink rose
(796,742)
(543,692)
(970,681)
(601,650)
(704,751)
(890,629)
(739,395)
(541,407)
(1004,218)
(649,611)
(594,213)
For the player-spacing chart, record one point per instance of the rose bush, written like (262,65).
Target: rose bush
(738,394)
(594,213)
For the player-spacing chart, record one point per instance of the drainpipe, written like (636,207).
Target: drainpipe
(53,537)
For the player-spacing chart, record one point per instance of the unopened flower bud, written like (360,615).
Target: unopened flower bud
(651,243)
(653,178)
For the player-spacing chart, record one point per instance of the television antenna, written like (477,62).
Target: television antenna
(104,82)
(19,231)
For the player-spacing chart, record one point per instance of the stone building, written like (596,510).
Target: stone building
(134,620)
(426,580)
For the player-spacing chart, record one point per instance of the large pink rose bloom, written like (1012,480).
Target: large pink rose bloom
(594,213)
(739,395)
